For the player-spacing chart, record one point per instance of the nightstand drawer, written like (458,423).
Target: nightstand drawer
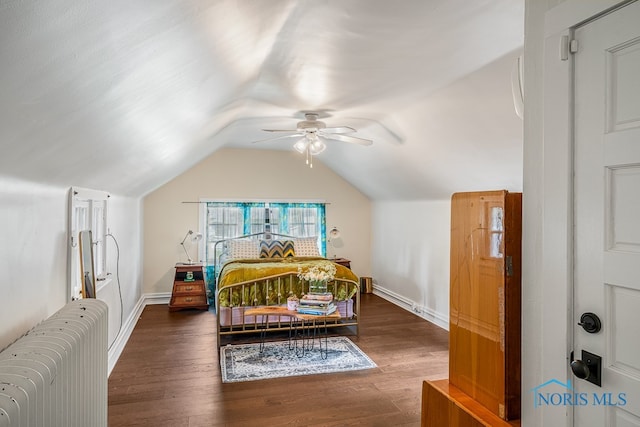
(188,287)
(189,300)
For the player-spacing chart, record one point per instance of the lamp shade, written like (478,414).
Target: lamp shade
(334,240)
(194,238)
(334,233)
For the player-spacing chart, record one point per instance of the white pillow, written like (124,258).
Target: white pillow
(306,246)
(239,249)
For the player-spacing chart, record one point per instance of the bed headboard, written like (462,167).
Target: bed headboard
(219,246)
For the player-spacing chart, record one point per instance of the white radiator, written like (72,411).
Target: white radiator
(56,374)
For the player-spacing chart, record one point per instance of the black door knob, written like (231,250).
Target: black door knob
(580,369)
(590,322)
(588,368)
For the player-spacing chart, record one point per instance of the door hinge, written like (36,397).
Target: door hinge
(509,265)
(567,46)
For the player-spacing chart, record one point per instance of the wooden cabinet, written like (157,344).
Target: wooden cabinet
(444,405)
(484,323)
(189,289)
(485,305)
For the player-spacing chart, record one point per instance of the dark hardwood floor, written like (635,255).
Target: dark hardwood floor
(169,375)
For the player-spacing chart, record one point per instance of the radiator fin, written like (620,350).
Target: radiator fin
(56,374)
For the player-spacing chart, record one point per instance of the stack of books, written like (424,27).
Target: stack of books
(320,304)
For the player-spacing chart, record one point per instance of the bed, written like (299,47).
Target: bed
(247,276)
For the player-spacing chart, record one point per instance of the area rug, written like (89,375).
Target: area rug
(244,362)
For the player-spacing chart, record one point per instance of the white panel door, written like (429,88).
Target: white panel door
(607,215)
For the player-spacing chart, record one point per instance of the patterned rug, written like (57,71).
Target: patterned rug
(244,362)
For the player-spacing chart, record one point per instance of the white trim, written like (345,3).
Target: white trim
(557,239)
(88,194)
(102,283)
(426,313)
(157,298)
(574,12)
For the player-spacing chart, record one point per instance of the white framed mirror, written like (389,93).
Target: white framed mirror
(87,268)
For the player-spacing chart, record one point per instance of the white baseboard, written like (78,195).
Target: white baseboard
(158,298)
(127,328)
(426,313)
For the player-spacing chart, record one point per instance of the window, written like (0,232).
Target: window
(224,220)
(303,221)
(88,211)
(496,232)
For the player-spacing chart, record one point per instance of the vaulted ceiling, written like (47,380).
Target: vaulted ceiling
(124,95)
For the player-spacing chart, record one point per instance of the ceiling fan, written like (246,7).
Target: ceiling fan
(312,131)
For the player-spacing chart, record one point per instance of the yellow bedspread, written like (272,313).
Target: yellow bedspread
(275,291)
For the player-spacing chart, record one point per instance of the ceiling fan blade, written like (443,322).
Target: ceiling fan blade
(274,138)
(339,129)
(346,138)
(281,130)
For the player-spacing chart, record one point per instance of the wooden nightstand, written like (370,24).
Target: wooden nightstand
(189,289)
(342,261)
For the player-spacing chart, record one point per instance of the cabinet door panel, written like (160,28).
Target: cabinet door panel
(484,340)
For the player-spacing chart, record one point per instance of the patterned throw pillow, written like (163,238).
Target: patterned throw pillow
(276,249)
(242,249)
(306,246)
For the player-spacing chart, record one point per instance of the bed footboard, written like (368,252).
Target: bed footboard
(232,301)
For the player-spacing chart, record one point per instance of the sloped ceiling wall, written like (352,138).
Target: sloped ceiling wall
(125,95)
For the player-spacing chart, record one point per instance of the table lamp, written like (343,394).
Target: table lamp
(195,238)
(334,234)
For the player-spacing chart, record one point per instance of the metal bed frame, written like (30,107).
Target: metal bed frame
(254,324)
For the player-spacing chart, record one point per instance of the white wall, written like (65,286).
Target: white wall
(410,259)
(33,256)
(237,174)
(464,137)
(125,267)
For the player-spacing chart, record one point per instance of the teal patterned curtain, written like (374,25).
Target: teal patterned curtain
(233,219)
(303,220)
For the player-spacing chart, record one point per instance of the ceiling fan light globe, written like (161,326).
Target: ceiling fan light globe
(300,146)
(311,136)
(317,147)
